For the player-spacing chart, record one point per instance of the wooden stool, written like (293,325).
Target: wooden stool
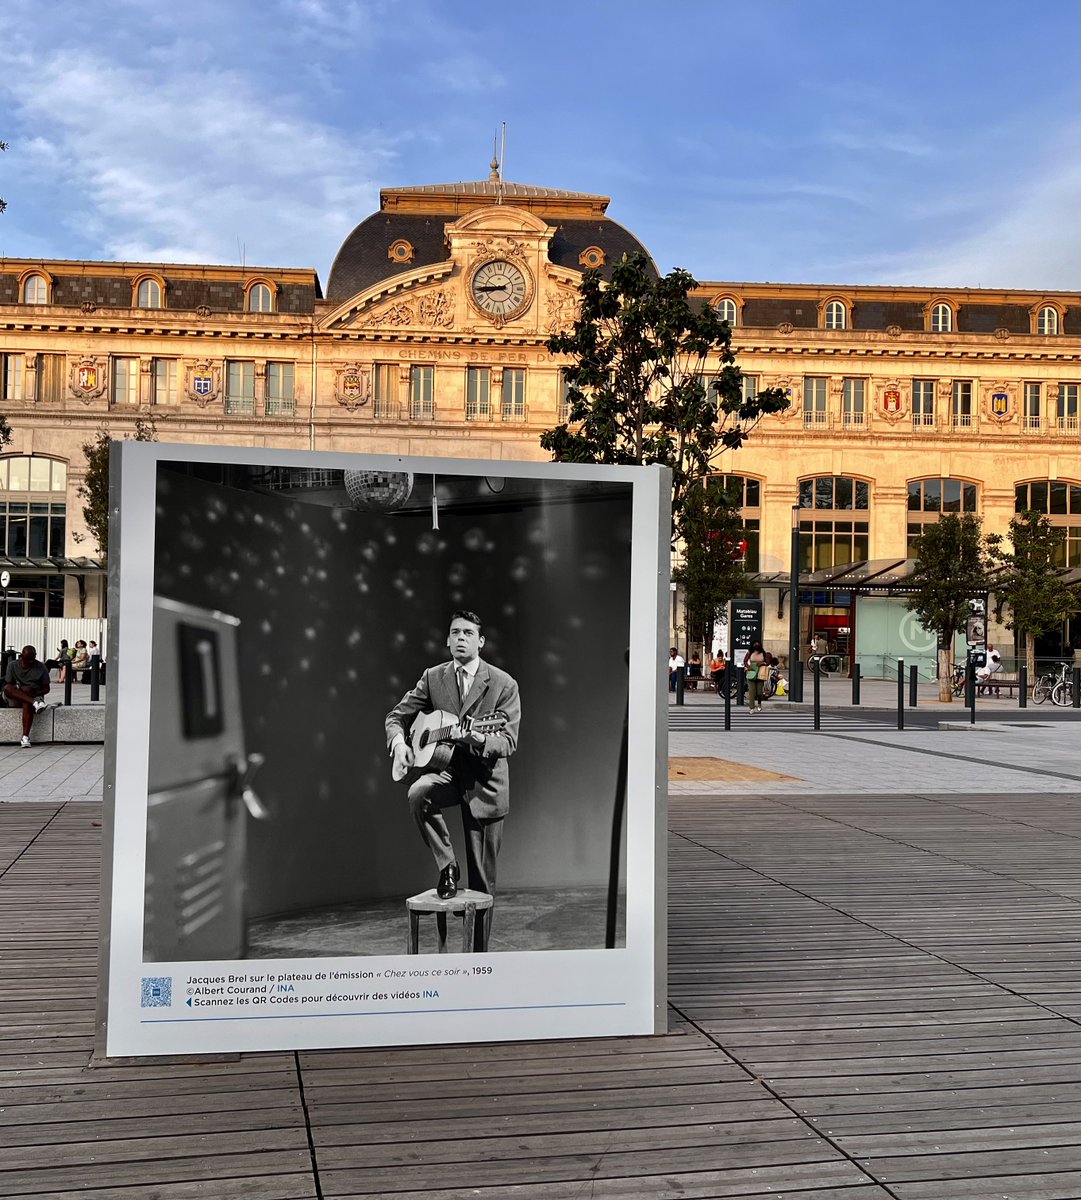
(466,904)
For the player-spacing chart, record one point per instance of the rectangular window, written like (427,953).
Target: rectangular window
(125,381)
(422,393)
(11,376)
(1033,405)
(749,388)
(853,394)
(923,402)
(814,400)
(962,403)
(240,388)
(478,394)
(514,394)
(163,377)
(50,378)
(385,392)
(280,396)
(1067,407)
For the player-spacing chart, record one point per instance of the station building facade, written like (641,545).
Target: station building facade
(430,339)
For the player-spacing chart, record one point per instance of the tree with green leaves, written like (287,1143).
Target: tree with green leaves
(1028,581)
(711,571)
(952,565)
(94,489)
(5,431)
(651,378)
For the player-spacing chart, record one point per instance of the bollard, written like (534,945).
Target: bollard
(913,684)
(727,699)
(741,687)
(855,683)
(68,673)
(679,685)
(900,693)
(817,696)
(1077,687)
(970,690)
(1022,687)
(95,678)
(797,676)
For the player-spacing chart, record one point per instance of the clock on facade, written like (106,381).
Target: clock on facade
(500,289)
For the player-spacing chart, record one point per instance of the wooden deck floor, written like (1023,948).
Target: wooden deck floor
(871,998)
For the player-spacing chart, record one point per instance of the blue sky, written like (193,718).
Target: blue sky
(784,140)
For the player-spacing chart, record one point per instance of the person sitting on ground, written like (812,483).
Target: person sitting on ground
(26,684)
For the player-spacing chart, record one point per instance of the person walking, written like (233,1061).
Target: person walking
(756,665)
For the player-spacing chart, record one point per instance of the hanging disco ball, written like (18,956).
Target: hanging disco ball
(378,491)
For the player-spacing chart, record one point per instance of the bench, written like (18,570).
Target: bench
(997,684)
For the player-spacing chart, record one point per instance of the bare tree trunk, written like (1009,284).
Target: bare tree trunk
(1030,657)
(945,671)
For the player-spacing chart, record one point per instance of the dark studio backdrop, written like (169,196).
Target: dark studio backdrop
(339,612)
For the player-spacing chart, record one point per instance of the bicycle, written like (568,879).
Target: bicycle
(828,664)
(1043,687)
(1062,692)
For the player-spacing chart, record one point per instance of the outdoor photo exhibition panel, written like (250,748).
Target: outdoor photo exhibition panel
(280,622)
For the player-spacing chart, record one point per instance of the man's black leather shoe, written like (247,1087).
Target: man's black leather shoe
(448,882)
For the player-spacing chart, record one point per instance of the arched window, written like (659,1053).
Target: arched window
(836,315)
(35,290)
(1059,501)
(929,498)
(831,534)
(746,493)
(941,319)
(1047,321)
(728,311)
(260,298)
(148,294)
(33,524)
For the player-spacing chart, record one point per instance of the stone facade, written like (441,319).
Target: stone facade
(403,358)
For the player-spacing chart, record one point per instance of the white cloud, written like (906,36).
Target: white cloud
(183,161)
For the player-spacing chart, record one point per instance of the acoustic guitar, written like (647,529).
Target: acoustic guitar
(430,736)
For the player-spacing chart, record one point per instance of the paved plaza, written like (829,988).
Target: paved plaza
(874,969)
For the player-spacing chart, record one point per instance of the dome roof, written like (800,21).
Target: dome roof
(419,215)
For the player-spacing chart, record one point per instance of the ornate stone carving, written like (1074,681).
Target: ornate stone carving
(894,331)
(785,327)
(499,247)
(202,382)
(1001,402)
(88,379)
(892,406)
(88,307)
(1002,334)
(353,385)
(791,392)
(561,310)
(202,310)
(436,309)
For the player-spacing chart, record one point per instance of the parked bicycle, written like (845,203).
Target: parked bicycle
(1062,692)
(828,664)
(1044,686)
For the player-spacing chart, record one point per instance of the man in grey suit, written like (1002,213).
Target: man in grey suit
(477,777)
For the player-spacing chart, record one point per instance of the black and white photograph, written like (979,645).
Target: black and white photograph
(375,689)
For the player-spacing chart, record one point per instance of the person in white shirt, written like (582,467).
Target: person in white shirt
(675,661)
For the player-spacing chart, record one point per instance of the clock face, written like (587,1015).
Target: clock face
(499,288)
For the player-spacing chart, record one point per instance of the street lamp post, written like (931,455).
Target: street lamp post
(795,679)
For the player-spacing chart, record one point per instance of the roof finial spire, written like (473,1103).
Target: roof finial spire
(493,175)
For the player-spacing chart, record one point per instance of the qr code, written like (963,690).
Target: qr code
(157,993)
